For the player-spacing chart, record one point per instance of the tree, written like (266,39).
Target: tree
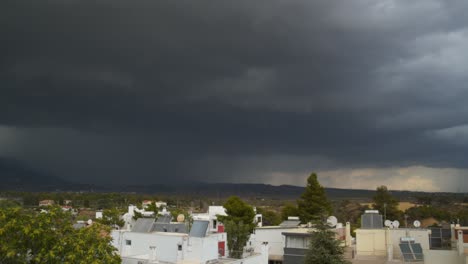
(386,204)
(152,208)
(269,218)
(324,248)
(50,238)
(289,210)
(238,225)
(313,203)
(111,217)
(349,211)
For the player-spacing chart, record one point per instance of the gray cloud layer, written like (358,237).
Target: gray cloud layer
(233,91)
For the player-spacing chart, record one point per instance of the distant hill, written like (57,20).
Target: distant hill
(16,176)
(223,190)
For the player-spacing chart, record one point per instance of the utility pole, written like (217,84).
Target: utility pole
(385,211)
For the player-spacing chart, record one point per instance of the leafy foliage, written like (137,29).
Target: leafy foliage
(314,202)
(269,217)
(324,248)
(111,217)
(50,238)
(237,237)
(386,203)
(289,210)
(152,208)
(238,224)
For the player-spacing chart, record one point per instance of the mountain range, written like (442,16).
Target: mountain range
(16,176)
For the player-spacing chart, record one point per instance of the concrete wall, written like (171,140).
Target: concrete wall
(170,247)
(202,249)
(275,239)
(373,242)
(443,256)
(166,245)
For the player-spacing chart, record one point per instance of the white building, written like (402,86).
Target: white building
(290,234)
(397,245)
(128,217)
(199,246)
(214,211)
(211,216)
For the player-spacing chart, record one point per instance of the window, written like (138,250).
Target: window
(179,247)
(297,242)
(214,224)
(128,242)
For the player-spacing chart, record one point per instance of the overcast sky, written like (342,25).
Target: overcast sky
(364,92)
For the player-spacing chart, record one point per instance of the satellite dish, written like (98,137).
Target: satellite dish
(388,223)
(332,221)
(180,218)
(416,223)
(90,222)
(396,224)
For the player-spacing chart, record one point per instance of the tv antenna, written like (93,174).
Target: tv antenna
(332,221)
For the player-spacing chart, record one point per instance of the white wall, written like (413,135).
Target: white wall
(373,242)
(275,239)
(198,250)
(202,249)
(442,256)
(166,245)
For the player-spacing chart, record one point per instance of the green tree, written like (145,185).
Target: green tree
(237,236)
(238,225)
(111,217)
(349,211)
(289,210)
(50,238)
(269,218)
(324,248)
(152,208)
(313,203)
(385,203)
(9,204)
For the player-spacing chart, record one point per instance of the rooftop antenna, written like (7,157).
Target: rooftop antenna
(388,223)
(385,210)
(332,221)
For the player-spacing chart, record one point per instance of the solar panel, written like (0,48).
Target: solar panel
(171,227)
(164,219)
(406,252)
(199,228)
(411,252)
(417,250)
(143,225)
(290,223)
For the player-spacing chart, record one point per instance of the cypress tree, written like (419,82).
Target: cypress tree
(314,203)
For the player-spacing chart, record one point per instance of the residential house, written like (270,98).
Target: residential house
(145,243)
(46,203)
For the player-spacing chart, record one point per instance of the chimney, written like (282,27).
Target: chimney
(348,234)
(153,254)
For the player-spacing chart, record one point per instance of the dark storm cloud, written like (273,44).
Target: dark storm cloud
(259,88)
